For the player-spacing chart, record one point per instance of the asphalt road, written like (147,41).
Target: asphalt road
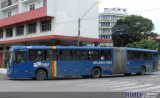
(135,83)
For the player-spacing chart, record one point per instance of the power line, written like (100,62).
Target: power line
(63,22)
(88,10)
(91,18)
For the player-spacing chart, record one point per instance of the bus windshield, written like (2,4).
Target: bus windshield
(10,58)
(16,57)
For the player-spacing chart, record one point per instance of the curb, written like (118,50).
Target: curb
(3,75)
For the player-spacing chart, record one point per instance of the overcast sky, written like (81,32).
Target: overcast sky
(146,8)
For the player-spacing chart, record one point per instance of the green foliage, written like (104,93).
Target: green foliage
(138,28)
(145,43)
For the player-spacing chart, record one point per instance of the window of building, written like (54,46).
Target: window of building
(19,30)
(9,14)
(119,9)
(1,33)
(9,2)
(7,48)
(50,55)
(124,10)
(9,32)
(46,25)
(44,3)
(32,7)
(32,28)
(35,55)
(1,48)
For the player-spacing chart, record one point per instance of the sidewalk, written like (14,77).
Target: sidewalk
(3,71)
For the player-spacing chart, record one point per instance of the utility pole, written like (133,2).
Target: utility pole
(79,23)
(79,26)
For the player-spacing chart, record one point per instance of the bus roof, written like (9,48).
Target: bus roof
(140,49)
(75,47)
(59,47)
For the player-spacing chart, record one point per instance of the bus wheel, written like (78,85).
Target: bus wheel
(96,73)
(142,71)
(40,74)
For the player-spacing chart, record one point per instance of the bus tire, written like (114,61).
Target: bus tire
(41,74)
(96,73)
(142,71)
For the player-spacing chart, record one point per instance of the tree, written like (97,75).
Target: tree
(145,43)
(138,28)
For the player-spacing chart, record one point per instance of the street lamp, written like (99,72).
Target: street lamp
(79,23)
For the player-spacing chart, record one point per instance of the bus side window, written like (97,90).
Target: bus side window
(35,55)
(135,55)
(147,56)
(50,55)
(106,55)
(131,55)
(80,54)
(93,55)
(65,55)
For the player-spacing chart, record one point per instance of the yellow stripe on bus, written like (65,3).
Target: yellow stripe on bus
(54,47)
(54,69)
(54,65)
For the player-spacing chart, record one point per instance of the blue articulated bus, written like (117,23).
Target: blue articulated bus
(41,62)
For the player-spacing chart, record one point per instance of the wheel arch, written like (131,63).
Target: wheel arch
(143,66)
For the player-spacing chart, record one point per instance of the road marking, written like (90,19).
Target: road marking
(124,85)
(158,90)
(134,87)
(84,82)
(147,89)
(102,83)
(112,85)
(107,84)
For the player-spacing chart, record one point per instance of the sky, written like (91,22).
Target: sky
(146,8)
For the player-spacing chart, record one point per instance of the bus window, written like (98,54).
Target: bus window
(65,55)
(50,55)
(130,55)
(19,57)
(135,55)
(35,55)
(93,55)
(80,54)
(147,56)
(155,54)
(106,55)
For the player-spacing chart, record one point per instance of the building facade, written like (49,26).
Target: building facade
(107,20)
(46,22)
